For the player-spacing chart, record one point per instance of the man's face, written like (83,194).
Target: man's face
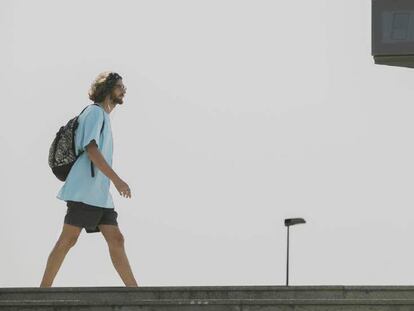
(118,92)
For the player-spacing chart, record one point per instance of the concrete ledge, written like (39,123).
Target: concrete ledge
(235,298)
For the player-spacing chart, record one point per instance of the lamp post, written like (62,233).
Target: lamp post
(290,222)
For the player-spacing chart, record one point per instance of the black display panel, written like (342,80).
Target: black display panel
(393,32)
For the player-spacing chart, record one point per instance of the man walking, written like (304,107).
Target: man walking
(86,188)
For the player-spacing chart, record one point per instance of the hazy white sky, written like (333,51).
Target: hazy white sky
(238,114)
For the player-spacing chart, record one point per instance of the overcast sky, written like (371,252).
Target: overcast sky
(238,114)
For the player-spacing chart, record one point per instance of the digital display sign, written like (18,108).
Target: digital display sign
(393,32)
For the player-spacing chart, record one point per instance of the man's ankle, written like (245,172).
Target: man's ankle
(45,284)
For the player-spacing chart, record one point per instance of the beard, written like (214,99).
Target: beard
(116,99)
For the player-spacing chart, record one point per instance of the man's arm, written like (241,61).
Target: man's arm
(97,158)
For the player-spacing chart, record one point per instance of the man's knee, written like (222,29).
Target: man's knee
(66,242)
(116,240)
(69,236)
(112,234)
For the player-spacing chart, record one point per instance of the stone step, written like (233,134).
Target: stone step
(305,298)
(211,292)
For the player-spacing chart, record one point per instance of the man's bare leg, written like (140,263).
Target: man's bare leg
(115,241)
(67,239)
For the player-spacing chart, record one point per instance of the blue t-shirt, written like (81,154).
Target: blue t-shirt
(80,185)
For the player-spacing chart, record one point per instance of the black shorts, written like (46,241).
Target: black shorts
(88,216)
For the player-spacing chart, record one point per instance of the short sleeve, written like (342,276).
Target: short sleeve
(89,127)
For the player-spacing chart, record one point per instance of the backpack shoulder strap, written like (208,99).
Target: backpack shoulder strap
(86,107)
(92,169)
(103,118)
(102,112)
(103,123)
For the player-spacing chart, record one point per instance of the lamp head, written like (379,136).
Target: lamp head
(294,221)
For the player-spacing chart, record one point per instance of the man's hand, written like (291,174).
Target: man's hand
(122,188)
(98,159)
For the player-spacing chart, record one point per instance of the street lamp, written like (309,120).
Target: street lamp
(290,222)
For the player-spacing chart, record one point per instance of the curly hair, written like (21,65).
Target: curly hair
(103,85)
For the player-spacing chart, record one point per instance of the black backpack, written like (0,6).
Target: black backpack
(62,154)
